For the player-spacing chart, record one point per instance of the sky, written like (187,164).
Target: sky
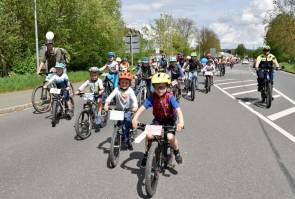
(234,21)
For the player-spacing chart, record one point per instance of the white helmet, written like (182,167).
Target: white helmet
(49,35)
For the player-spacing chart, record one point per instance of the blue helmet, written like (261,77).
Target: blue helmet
(204,60)
(60,65)
(111,54)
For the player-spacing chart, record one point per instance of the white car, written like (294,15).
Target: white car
(245,61)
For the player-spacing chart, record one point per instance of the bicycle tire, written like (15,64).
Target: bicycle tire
(47,102)
(193,90)
(55,110)
(268,95)
(152,170)
(83,125)
(115,148)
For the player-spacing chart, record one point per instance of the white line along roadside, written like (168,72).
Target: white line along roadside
(268,121)
(250,80)
(281,114)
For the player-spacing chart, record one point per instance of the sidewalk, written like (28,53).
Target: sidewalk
(19,100)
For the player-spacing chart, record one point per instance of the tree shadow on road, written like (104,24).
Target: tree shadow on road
(137,171)
(280,162)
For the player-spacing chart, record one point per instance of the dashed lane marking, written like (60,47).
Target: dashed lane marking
(244,92)
(262,117)
(281,114)
(250,80)
(240,86)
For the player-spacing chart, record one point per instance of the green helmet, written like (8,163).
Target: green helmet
(145,60)
(194,54)
(266,47)
(172,59)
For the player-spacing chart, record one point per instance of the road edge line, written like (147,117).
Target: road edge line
(15,108)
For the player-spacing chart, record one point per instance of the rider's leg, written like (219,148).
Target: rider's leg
(260,77)
(174,145)
(196,78)
(116,80)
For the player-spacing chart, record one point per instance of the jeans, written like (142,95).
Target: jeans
(126,125)
(260,77)
(192,74)
(114,77)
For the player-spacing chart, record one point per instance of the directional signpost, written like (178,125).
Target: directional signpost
(132,45)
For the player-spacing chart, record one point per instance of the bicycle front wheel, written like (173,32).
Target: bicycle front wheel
(41,99)
(268,95)
(83,125)
(152,169)
(115,148)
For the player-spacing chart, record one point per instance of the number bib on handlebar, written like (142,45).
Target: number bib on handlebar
(88,96)
(155,130)
(55,91)
(117,115)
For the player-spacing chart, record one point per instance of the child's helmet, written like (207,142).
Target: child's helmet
(160,78)
(125,75)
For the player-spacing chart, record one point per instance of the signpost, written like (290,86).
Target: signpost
(132,45)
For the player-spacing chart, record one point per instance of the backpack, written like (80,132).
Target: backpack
(66,55)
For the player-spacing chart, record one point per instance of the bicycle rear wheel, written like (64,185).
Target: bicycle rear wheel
(152,169)
(41,99)
(83,125)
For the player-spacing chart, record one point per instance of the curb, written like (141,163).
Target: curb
(289,72)
(15,108)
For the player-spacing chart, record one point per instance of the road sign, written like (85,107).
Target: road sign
(213,52)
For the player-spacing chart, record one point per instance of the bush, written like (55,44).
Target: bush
(25,65)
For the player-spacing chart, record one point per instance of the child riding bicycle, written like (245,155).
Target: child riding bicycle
(166,111)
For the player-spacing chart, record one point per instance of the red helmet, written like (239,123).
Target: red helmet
(125,75)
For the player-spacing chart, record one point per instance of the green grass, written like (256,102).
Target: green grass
(288,67)
(29,81)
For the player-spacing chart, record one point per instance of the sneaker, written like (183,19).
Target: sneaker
(143,161)
(69,114)
(178,158)
(189,93)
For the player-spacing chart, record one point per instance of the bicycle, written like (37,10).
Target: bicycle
(41,98)
(58,105)
(159,156)
(222,70)
(190,85)
(176,87)
(141,91)
(266,91)
(116,142)
(85,122)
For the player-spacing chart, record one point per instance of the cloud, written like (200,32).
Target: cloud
(245,26)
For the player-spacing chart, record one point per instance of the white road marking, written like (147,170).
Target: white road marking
(139,138)
(276,96)
(281,114)
(240,86)
(285,96)
(223,80)
(248,103)
(235,82)
(268,121)
(244,92)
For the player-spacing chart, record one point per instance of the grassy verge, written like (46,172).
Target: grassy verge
(288,67)
(29,81)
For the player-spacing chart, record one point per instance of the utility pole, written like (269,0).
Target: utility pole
(36,33)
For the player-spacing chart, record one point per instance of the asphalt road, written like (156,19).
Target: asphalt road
(231,149)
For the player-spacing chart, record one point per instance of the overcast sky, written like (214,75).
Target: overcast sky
(235,21)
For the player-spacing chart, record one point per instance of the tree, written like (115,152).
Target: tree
(281,36)
(208,39)
(241,51)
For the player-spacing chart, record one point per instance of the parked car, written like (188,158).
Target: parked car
(245,61)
